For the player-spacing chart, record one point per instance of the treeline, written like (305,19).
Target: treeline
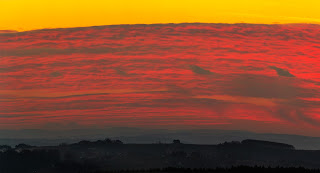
(83,142)
(106,141)
(106,155)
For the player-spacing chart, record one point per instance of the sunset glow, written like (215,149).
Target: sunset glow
(24,15)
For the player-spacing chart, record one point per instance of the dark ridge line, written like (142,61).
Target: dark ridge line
(162,24)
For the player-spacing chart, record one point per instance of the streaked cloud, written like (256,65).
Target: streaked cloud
(247,100)
(152,75)
(50,94)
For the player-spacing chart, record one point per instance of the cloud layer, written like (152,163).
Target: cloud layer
(248,77)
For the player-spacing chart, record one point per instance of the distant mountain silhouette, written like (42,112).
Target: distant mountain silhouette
(258,143)
(140,136)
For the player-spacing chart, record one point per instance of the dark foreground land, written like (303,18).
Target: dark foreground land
(245,169)
(114,156)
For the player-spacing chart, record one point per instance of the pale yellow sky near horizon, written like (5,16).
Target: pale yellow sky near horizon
(22,15)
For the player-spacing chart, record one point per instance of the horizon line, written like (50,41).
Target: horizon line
(168,130)
(8,31)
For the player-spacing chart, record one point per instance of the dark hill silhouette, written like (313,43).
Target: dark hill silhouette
(259,143)
(112,155)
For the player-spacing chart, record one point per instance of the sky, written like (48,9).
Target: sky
(262,76)
(22,15)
